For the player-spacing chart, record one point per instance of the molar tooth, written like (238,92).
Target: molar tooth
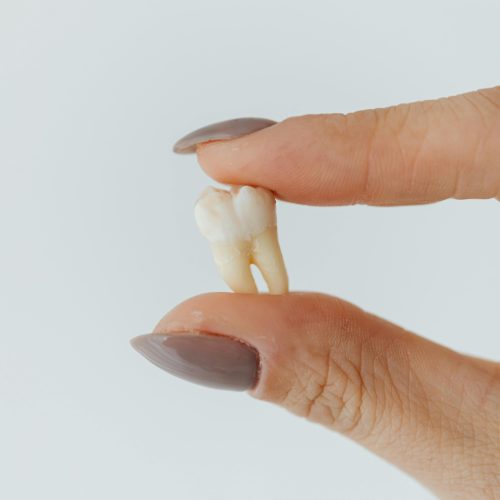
(241,227)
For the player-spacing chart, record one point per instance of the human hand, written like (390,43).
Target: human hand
(431,411)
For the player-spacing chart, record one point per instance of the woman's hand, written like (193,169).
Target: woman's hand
(431,411)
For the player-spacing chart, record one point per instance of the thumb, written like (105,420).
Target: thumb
(415,403)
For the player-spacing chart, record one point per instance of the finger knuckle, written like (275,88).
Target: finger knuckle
(354,389)
(332,390)
(336,397)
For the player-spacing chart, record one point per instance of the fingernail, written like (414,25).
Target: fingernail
(210,360)
(229,129)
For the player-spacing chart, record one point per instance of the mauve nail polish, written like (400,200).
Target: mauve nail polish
(211,360)
(229,129)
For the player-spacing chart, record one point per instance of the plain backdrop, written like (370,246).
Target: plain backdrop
(98,240)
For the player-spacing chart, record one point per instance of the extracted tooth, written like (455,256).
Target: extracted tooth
(240,226)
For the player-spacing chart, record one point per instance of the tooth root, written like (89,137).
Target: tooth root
(267,256)
(233,263)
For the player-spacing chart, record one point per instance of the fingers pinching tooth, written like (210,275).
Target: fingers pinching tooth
(241,227)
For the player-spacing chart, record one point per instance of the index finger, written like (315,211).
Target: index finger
(407,154)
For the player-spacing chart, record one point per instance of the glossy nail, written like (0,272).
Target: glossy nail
(229,129)
(210,360)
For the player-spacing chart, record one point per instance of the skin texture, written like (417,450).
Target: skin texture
(431,411)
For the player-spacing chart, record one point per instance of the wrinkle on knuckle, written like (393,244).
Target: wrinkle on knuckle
(329,391)
(388,138)
(408,130)
(368,126)
(472,165)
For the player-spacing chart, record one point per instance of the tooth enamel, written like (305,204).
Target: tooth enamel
(240,226)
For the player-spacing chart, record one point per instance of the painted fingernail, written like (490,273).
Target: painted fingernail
(229,129)
(210,360)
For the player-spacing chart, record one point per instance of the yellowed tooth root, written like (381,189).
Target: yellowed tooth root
(266,255)
(233,263)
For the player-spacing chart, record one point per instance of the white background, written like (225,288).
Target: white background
(98,239)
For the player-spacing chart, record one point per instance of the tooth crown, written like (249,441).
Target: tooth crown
(234,216)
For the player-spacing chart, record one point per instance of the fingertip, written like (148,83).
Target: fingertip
(210,157)
(238,160)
